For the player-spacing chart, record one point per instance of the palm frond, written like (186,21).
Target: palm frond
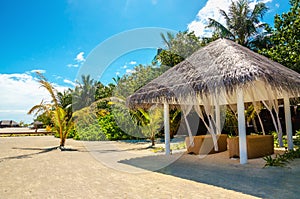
(223,31)
(259,11)
(44,83)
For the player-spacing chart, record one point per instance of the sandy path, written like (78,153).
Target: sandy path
(29,169)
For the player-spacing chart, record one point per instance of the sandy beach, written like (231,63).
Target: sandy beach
(32,167)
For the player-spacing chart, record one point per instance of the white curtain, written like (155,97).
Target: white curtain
(186,109)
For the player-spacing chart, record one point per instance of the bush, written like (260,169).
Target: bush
(91,132)
(276,143)
(282,160)
(297,140)
(110,128)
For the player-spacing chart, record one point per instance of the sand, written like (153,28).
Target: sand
(32,167)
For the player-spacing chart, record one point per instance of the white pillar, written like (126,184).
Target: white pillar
(242,127)
(217,115)
(167,128)
(218,119)
(288,122)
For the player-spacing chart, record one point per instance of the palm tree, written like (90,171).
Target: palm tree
(54,110)
(84,93)
(151,123)
(242,24)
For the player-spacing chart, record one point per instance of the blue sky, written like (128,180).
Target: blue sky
(57,37)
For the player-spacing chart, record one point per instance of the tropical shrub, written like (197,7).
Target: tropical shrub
(110,129)
(297,140)
(282,160)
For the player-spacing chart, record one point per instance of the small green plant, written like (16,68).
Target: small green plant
(275,162)
(158,149)
(282,160)
(178,146)
(276,143)
(297,139)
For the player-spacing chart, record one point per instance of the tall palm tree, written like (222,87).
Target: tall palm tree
(54,110)
(84,93)
(242,24)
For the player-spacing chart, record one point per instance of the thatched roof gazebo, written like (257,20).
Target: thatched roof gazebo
(222,73)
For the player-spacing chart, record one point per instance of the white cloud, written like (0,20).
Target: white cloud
(73,65)
(277,5)
(19,92)
(132,62)
(128,71)
(125,66)
(57,76)
(80,57)
(117,73)
(69,82)
(38,71)
(212,10)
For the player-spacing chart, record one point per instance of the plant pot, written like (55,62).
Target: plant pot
(257,146)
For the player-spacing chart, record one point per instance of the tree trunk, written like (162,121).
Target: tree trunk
(254,125)
(62,142)
(152,141)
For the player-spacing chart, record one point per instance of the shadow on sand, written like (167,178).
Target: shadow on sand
(40,151)
(249,179)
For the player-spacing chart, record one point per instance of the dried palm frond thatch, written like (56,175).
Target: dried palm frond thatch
(217,71)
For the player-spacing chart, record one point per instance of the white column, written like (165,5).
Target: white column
(288,122)
(242,127)
(218,119)
(167,128)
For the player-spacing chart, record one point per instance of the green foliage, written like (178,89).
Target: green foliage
(45,118)
(169,58)
(89,132)
(84,93)
(231,123)
(297,139)
(152,122)
(179,47)
(282,160)
(276,142)
(278,161)
(61,122)
(110,129)
(139,77)
(178,146)
(243,25)
(285,38)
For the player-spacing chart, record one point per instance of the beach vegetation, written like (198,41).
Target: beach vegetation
(61,122)
(285,38)
(243,25)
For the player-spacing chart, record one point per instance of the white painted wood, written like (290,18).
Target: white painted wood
(242,127)
(167,128)
(288,122)
(218,119)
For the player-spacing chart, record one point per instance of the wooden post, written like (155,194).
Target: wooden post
(167,128)
(288,122)
(242,127)
(218,119)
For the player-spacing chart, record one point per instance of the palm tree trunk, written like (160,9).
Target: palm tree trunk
(152,141)
(62,142)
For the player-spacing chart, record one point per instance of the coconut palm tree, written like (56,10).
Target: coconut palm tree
(84,93)
(54,110)
(243,25)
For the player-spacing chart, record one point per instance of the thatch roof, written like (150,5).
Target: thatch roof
(218,70)
(8,123)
